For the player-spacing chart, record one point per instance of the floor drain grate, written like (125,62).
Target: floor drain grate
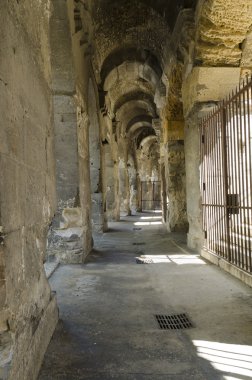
(173,322)
(141,243)
(137,229)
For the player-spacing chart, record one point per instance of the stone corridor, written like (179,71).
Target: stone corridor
(109,109)
(107,328)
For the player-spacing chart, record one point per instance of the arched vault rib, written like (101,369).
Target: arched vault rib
(130,54)
(139,119)
(132,114)
(135,71)
(135,127)
(147,141)
(144,107)
(142,134)
(137,95)
(123,91)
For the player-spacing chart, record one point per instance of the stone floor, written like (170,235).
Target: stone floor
(107,328)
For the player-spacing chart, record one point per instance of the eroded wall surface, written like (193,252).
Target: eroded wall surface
(27,187)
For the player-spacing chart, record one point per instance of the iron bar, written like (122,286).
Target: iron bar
(226,177)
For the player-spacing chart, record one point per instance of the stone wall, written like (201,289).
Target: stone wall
(27,187)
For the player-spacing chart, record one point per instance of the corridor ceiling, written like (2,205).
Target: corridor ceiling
(132,47)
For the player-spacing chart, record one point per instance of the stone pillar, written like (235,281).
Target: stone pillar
(127,189)
(95,162)
(111,180)
(163,193)
(174,161)
(65,238)
(103,173)
(132,187)
(116,211)
(139,192)
(124,178)
(193,196)
(85,182)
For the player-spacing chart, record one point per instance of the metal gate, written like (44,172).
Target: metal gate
(226,178)
(151,195)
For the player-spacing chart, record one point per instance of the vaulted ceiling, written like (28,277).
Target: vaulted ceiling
(132,45)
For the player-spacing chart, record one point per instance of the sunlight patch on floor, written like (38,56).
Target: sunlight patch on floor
(153,259)
(147,223)
(187,259)
(232,359)
(150,217)
(177,259)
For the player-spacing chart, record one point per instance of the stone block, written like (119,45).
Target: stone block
(29,367)
(35,147)
(34,195)
(208,84)
(72,217)
(173,130)
(12,194)
(64,104)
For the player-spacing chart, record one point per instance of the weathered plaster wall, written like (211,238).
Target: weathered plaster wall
(27,187)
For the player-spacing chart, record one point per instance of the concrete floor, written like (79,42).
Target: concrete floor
(107,328)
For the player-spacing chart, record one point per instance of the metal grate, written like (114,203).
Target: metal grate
(173,322)
(151,195)
(139,243)
(226,178)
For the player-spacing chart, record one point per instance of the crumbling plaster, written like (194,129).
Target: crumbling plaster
(222,26)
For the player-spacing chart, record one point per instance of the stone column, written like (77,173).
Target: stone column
(174,162)
(163,192)
(193,196)
(124,178)
(111,180)
(85,182)
(65,238)
(95,161)
(132,187)
(116,211)
(139,192)
(104,186)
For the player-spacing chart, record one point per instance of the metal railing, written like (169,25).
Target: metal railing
(151,195)
(226,177)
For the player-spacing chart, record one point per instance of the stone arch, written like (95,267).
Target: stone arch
(139,125)
(133,69)
(133,98)
(144,119)
(132,54)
